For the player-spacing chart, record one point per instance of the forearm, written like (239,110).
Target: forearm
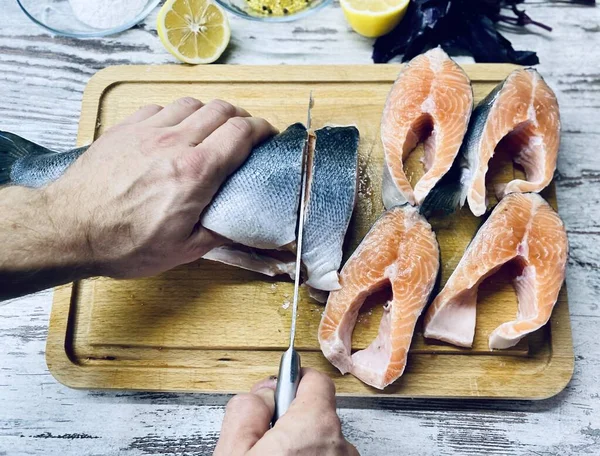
(41,246)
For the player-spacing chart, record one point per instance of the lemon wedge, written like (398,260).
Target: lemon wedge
(194,31)
(373,18)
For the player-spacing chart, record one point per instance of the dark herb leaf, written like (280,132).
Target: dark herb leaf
(418,29)
(464,24)
(481,39)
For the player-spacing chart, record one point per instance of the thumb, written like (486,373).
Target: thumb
(202,241)
(247,419)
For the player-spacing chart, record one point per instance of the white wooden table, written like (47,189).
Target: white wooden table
(41,82)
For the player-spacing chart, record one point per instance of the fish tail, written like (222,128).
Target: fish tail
(12,149)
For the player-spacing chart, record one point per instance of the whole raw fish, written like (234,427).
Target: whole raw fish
(256,208)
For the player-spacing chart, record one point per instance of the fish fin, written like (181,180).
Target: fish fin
(13,148)
(448,194)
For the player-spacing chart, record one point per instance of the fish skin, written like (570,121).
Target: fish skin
(28,164)
(334,177)
(522,229)
(535,118)
(257,206)
(331,197)
(469,151)
(450,192)
(432,93)
(400,249)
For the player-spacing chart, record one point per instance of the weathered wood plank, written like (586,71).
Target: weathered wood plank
(41,83)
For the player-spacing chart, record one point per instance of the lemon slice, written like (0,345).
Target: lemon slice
(194,31)
(373,18)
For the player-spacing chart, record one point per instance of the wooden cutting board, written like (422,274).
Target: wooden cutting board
(208,327)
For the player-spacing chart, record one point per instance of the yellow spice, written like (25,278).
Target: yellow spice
(278,7)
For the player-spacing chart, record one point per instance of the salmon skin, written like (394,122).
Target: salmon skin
(431,101)
(257,207)
(521,115)
(333,185)
(524,230)
(400,250)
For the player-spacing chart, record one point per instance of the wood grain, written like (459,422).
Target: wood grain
(212,328)
(42,78)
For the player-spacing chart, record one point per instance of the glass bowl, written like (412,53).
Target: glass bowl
(58,17)
(241,8)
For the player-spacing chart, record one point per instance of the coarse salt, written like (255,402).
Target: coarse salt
(107,14)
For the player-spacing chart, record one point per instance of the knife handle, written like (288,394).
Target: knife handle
(287,382)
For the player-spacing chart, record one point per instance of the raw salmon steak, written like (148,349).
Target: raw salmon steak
(520,116)
(524,230)
(430,102)
(400,250)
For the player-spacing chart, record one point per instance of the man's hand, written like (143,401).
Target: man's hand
(130,205)
(309,427)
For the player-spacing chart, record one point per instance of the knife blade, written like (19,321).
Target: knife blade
(289,367)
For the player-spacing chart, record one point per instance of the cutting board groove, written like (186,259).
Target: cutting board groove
(208,327)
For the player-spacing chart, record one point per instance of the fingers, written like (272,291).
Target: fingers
(269,382)
(229,146)
(224,151)
(315,387)
(247,419)
(175,112)
(351,450)
(142,114)
(311,425)
(201,242)
(207,119)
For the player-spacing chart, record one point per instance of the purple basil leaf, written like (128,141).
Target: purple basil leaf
(464,24)
(415,32)
(487,45)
